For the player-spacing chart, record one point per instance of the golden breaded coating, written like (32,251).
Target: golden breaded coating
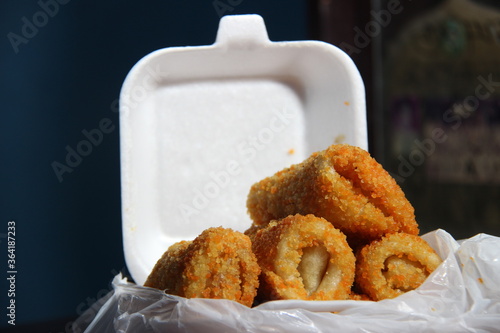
(304,257)
(166,272)
(342,184)
(394,265)
(251,232)
(359,297)
(219,263)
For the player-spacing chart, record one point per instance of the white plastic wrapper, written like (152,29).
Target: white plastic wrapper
(462,295)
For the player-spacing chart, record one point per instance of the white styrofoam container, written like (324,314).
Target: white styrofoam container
(199,125)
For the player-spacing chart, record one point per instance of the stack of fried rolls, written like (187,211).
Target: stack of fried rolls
(303,257)
(336,226)
(219,263)
(347,187)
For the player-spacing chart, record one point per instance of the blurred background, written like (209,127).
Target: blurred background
(432,76)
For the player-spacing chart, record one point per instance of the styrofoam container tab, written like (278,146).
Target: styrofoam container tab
(199,125)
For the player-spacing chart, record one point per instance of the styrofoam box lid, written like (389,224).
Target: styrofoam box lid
(199,125)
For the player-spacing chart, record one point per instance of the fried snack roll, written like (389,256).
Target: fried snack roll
(393,265)
(342,184)
(219,263)
(304,257)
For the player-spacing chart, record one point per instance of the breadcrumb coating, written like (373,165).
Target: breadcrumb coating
(219,263)
(165,274)
(393,265)
(304,257)
(251,232)
(342,184)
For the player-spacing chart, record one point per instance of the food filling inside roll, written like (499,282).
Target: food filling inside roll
(403,274)
(316,270)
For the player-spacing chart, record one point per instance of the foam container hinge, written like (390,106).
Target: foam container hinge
(199,125)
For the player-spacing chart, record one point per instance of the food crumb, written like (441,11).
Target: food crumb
(347,103)
(339,138)
(291,151)
(480,280)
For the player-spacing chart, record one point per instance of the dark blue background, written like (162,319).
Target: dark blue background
(63,80)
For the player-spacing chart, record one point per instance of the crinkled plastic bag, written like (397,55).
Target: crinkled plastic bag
(462,295)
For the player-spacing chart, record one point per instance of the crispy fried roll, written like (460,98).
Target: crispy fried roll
(219,263)
(394,265)
(342,184)
(304,257)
